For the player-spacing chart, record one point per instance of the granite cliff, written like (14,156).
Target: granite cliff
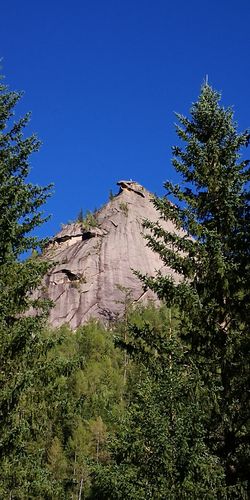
(94,259)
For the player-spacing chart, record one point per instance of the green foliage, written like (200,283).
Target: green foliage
(20,201)
(21,345)
(124,208)
(88,220)
(62,419)
(111,195)
(92,399)
(88,404)
(159,450)
(212,256)
(80,217)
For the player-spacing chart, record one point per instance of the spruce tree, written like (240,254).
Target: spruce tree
(159,450)
(211,255)
(21,339)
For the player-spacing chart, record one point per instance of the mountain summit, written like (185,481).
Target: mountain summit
(95,258)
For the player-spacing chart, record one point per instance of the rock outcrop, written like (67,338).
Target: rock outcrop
(94,259)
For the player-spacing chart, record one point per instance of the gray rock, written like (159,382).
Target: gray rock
(93,274)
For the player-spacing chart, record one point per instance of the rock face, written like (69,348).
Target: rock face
(93,274)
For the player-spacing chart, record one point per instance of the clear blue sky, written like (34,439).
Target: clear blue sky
(103,79)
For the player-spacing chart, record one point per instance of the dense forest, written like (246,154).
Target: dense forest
(155,405)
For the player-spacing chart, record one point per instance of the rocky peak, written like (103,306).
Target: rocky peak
(131,186)
(94,259)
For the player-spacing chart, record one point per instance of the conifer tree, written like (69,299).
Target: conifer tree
(80,217)
(20,202)
(159,450)
(21,341)
(212,259)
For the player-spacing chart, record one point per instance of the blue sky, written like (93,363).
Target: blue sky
(103,79)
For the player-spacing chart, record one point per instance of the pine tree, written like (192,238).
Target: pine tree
(21,340)
(159,450)
(20,202)
(212,258)
(80,217)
